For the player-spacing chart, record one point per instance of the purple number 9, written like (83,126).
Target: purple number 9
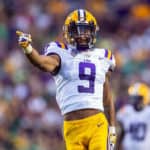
(89,76)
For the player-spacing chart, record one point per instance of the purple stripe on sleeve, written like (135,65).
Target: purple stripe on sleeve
(106,53)
(111,57)
(58,44)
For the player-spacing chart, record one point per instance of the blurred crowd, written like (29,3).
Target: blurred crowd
(29,116)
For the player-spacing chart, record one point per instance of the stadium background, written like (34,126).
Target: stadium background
(29,116)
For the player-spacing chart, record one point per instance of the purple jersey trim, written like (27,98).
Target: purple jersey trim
(106,53)
(111,57)
(60,45)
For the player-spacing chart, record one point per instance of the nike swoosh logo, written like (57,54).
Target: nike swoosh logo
(99,124)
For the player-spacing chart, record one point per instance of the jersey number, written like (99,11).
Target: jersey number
(87,72)
(138,131)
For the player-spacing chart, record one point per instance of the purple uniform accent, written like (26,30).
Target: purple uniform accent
(111,57)
(58,44)
(106,53)
(89,77)
(138,131)
(23,40)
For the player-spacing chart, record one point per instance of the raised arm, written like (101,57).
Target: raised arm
(45,63)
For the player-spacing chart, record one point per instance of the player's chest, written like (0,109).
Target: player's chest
(84,66)
(137,119)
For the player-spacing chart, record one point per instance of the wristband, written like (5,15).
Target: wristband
(28,49)
(112,129)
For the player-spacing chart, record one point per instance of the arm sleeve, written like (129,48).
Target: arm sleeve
(53,48)
(111,59)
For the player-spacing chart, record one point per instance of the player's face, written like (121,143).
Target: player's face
(82,35)
(137,102)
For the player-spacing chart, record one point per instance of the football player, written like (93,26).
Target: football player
(134,119)
(82,76)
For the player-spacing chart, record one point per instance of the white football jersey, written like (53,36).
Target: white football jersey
(136,125)
(80,79)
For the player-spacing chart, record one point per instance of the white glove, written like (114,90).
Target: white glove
(112,138)
(24,40)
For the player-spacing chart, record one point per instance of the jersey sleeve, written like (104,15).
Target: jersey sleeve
(110,58)
(55,48)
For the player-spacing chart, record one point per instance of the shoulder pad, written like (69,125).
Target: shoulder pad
(57,44)
(105,53)
(111,59)
(61,44)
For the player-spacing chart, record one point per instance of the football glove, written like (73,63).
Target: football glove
(112,138)
(24,40)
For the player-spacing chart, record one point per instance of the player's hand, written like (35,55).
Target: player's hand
(24,40)
(112,138)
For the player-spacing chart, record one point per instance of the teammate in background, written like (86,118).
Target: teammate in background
(134,120)
(82,76)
